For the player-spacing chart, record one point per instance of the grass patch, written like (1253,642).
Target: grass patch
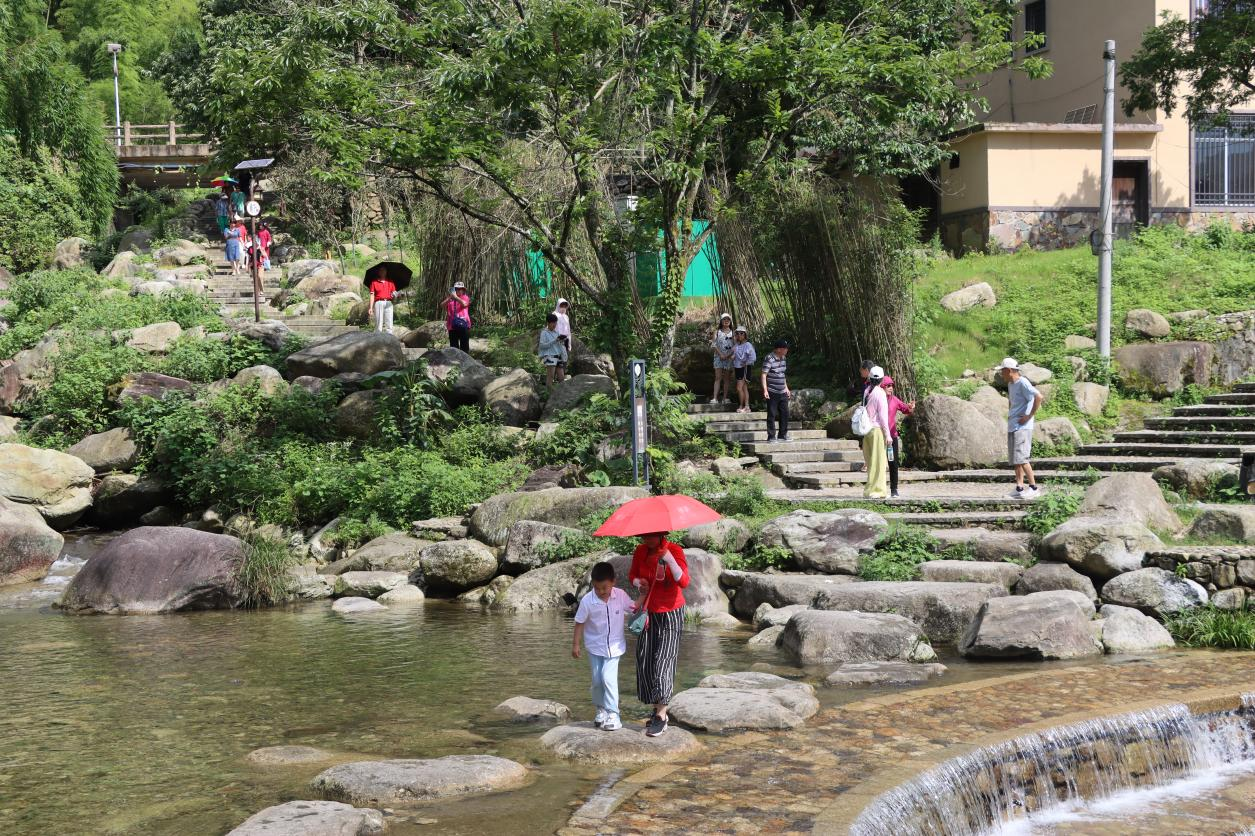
(901,550)
(262,575)
(1208,626)
(1051,510)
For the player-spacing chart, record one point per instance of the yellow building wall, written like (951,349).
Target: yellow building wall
(1053,170)
(966,187)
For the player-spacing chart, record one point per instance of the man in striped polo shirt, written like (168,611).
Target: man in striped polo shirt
(776,391)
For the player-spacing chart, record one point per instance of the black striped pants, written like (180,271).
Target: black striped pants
(657,649)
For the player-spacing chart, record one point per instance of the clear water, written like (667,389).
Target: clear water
(141,725)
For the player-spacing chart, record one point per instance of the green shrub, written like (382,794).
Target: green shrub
(262,574)
(351,533)
(78,398)
(39,205)
(759,558)
(475,434)
(898,554)
(570,546)
(1209,626)
(1052,509)
(411,408)
(204,361)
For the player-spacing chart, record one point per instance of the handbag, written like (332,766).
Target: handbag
(861,423)
(637,625)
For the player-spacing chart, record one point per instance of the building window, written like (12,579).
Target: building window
(1224,164)
(1035,22)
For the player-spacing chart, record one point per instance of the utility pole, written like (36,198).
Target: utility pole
(1104,201)
(114,49)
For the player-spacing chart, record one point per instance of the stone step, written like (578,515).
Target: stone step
(1163,451)
(709,408)
(1105,464)
(961,519)
(1242,398)
(1185,437)
(820,481)
(840,466)
(717,418)
(761,435)
(1244,387)
(1180,423)
(836,454)
(746,423)
(1211,410)
(983,475)
(811,446)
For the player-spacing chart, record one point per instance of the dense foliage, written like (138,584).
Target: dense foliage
(39,205)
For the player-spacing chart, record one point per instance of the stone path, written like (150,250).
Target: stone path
(234,295)
(819,777)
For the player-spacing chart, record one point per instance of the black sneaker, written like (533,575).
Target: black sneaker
(784,438)
(656,726)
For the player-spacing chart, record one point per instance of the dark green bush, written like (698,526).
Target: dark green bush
(39,205)
(1209,626)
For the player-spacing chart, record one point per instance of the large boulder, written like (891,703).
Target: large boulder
(363,352)
(454,566)
(978,295)
(585,743)
(513,396)
(768,616)
(1197,478)
(35,364)
(943,609)
(884,673)
(829,542)
(561,506)
(1156,592)
(724,709)
(586,361)
(156,338)
(1043,625)
(71,253)
(326,285)
(1146,323)
(394,552)
(122,498)
(971,571)
(152,385)
(357,414)
(266,378)
(1234,523)
(1163,369)
(1130,496)
(312,818)
(27,545)
(813,637)
(1126,630)
(56,484)
(403,782)
(989,545)
(368,584)
(551,587)
(750,590)
(110,450)
(428,335)
(178,253)
(10,387)
(950,433)
(465,376)
(269,332)
(1091,398)
(124,265)
(305,268)
(136,239)
(529,542)
(1101,547)
(1056,432)
(725,535)
(753,680)
(575,391)
(158,569)
(1051,577)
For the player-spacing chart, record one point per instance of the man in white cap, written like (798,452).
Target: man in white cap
(1024,401)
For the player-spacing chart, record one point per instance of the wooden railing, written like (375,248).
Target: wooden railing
(170,133)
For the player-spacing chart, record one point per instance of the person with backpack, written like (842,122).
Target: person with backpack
(458,317)
(896,406)
(875,424)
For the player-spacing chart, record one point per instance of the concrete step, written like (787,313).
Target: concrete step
(1244,387)
(1212,410)
(1185,437)
(810,446)
(716,419)
(815,468)
(1105,464)
(857,477)
(831,454)
(1171,452)
(761,435)
(1242,398)
(985,475)
(1180,423)
(706,408)
(961,519)
(741,425)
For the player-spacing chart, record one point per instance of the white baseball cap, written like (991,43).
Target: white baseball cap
(726,316)
(876,373)
(1009,363)
(457,285)
(740,328)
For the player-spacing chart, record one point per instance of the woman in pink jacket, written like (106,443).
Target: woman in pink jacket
(896,406)
(876,441)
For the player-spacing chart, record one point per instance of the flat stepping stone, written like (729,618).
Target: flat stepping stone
(766,638)
(385,783)
(751,680)
(528,710)
(312,818)
(353,605)
(722,709)
(289,755)
(586,743)
(884,673)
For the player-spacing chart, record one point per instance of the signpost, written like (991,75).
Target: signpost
(253,208)
(640,424)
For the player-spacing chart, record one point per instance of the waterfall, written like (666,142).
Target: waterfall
(995,785)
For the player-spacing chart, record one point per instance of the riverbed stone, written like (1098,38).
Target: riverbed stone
(1100,547)
(493,517)
(725,535)
(724,709)
(306,584)
(354,605)
(585,743)
(1043,625)
(827,637)
(1047,577)
(768,637)
(289,755)
(884,673)
(752,680)
(368,584)
(406,593)
(527,542)
(831,542)
(312,818)
(489,593)
(768,616)
(454,566)
(750,590)
(122,498)
(1130,496)
(401,782)
(363,352)
(110,450)
(28,545)
(548,588)
(395,552)
(156,569)
(1126,630)
(971,571)
(988,545)
(55,484)
(528,710)
(1156,592)
(943,610)
(1234,523)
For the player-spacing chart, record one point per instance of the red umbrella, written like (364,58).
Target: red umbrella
(670,512)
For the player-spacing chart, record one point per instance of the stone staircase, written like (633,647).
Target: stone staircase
(234,296)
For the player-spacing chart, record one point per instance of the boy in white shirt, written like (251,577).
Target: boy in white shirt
(599,622)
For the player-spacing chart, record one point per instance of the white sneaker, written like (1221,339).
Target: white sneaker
(714,400)
(612,723)
(1018,493)
(1032,492)
(600,719)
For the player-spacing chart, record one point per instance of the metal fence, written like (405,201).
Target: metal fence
(1224,164)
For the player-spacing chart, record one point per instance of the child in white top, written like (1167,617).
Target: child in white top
(599,622)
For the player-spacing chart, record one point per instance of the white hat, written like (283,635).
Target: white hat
(1009,363)
(876,373)
(456,285)
(740,328)
(561,302)
(726,316)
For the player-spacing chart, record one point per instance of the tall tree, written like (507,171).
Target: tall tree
(1208,62)
(528,115)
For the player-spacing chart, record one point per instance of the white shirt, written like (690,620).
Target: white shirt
(564,324)
(603,622)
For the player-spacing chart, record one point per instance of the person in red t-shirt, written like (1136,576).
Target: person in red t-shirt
(382,292)
(660,571)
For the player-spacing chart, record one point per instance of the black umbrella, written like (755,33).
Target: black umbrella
(398,274)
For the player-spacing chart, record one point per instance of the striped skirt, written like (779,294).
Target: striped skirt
(657,649)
